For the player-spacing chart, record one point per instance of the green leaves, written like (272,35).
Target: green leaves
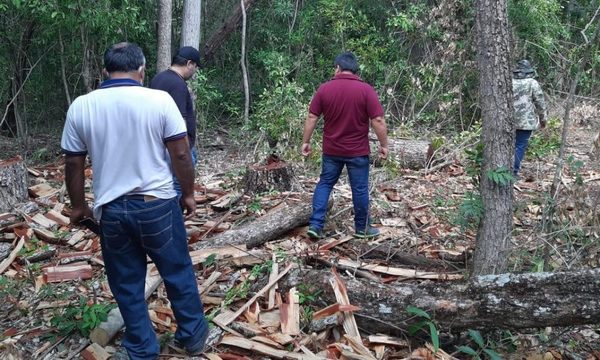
(417,312)
(501,176)
(415,328)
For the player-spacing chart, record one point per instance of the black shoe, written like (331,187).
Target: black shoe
(369,233)
(314,233)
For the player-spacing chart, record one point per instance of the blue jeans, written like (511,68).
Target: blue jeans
(132,228)
(176,184)
(358,174)
(521,142)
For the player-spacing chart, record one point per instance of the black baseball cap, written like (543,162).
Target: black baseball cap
(190,53)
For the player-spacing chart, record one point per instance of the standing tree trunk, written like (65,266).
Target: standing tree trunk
(243,64)
(498,135)
(163,56)
(190,30)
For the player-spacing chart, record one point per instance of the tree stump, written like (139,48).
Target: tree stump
(412,154)
(13,183)
(273,174)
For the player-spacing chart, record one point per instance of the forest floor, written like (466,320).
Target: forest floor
(425,214)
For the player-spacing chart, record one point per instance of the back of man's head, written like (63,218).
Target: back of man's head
(185,54)
(124,57)
(347,62)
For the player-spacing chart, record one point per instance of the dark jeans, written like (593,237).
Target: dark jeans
(176,184)
(521,142)
(131,229)
(358,174)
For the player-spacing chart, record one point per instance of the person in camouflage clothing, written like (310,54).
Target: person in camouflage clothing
(530,109)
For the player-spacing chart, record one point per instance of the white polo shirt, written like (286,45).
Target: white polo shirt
(124,128)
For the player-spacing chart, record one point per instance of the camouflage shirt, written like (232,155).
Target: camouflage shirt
(529,103)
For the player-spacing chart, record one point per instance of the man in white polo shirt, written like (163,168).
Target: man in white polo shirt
(128,131)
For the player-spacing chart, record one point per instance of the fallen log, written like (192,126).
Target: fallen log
(268,227)
(13,183)
(412,154)
(506,301)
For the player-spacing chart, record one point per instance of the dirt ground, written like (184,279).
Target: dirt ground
(420,212)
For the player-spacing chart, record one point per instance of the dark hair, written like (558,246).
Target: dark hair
(123,57)
(347,62)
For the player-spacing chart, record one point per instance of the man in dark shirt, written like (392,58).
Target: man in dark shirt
(348,105)
(173,80)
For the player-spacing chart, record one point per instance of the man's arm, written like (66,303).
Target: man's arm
(380,129)
(309,127)
(74,180)
(181,160)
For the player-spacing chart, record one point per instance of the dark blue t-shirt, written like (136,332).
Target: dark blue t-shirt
(174,84)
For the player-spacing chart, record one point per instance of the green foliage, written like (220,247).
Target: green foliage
(546,142)
(574,167)
(8,287)
(281,108)
(482,347)
(470,211)
(500,176)
(210,260)
(474,161)
(306,294)
(82,318)
(426,322)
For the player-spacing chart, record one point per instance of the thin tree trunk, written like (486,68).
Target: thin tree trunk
(163,56)
(243,64)
(63,72)
(85,62)
(190,30)
(498,135)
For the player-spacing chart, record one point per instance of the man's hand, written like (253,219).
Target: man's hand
(77,214)
(306,149)
(383,152)
(189,206)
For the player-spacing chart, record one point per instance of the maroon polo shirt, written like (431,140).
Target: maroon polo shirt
(346,103)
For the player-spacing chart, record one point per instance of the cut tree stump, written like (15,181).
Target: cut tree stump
(13,183)
(273,174)
(266,228)
(506,301)
(411,154)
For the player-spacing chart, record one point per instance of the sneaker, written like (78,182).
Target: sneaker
(369,233)
(314,233)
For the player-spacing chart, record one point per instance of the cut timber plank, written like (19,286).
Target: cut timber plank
(387,340)
(243,343)
(57,217)
(225,319)
(43,221)
(66,273)
(76,237)
(272,276)
(290,314)
(42,190)
(6,262)
(47,236)
(333,309)
(341,295)
(95,352)
(406,273)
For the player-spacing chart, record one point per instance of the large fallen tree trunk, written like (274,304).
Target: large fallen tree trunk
(506,301)
(266,228)
(13,183)
(412,154)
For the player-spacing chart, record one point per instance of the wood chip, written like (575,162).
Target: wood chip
(225,319)
(58,218)
(95,352)
(388,340)
(243,343)
(67,272)
(290,314)
(406,273)
(341,295)
(42,190)
(13,254)
(43,221)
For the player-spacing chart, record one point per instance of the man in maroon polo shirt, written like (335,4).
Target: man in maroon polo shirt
(348,105)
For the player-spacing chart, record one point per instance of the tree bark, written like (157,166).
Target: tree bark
(13,183)
(498,136)
(505,301)
(266,228)
(412,154)
(243,65)
(165,16)
(276,174)
(190,29)
(217,39)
